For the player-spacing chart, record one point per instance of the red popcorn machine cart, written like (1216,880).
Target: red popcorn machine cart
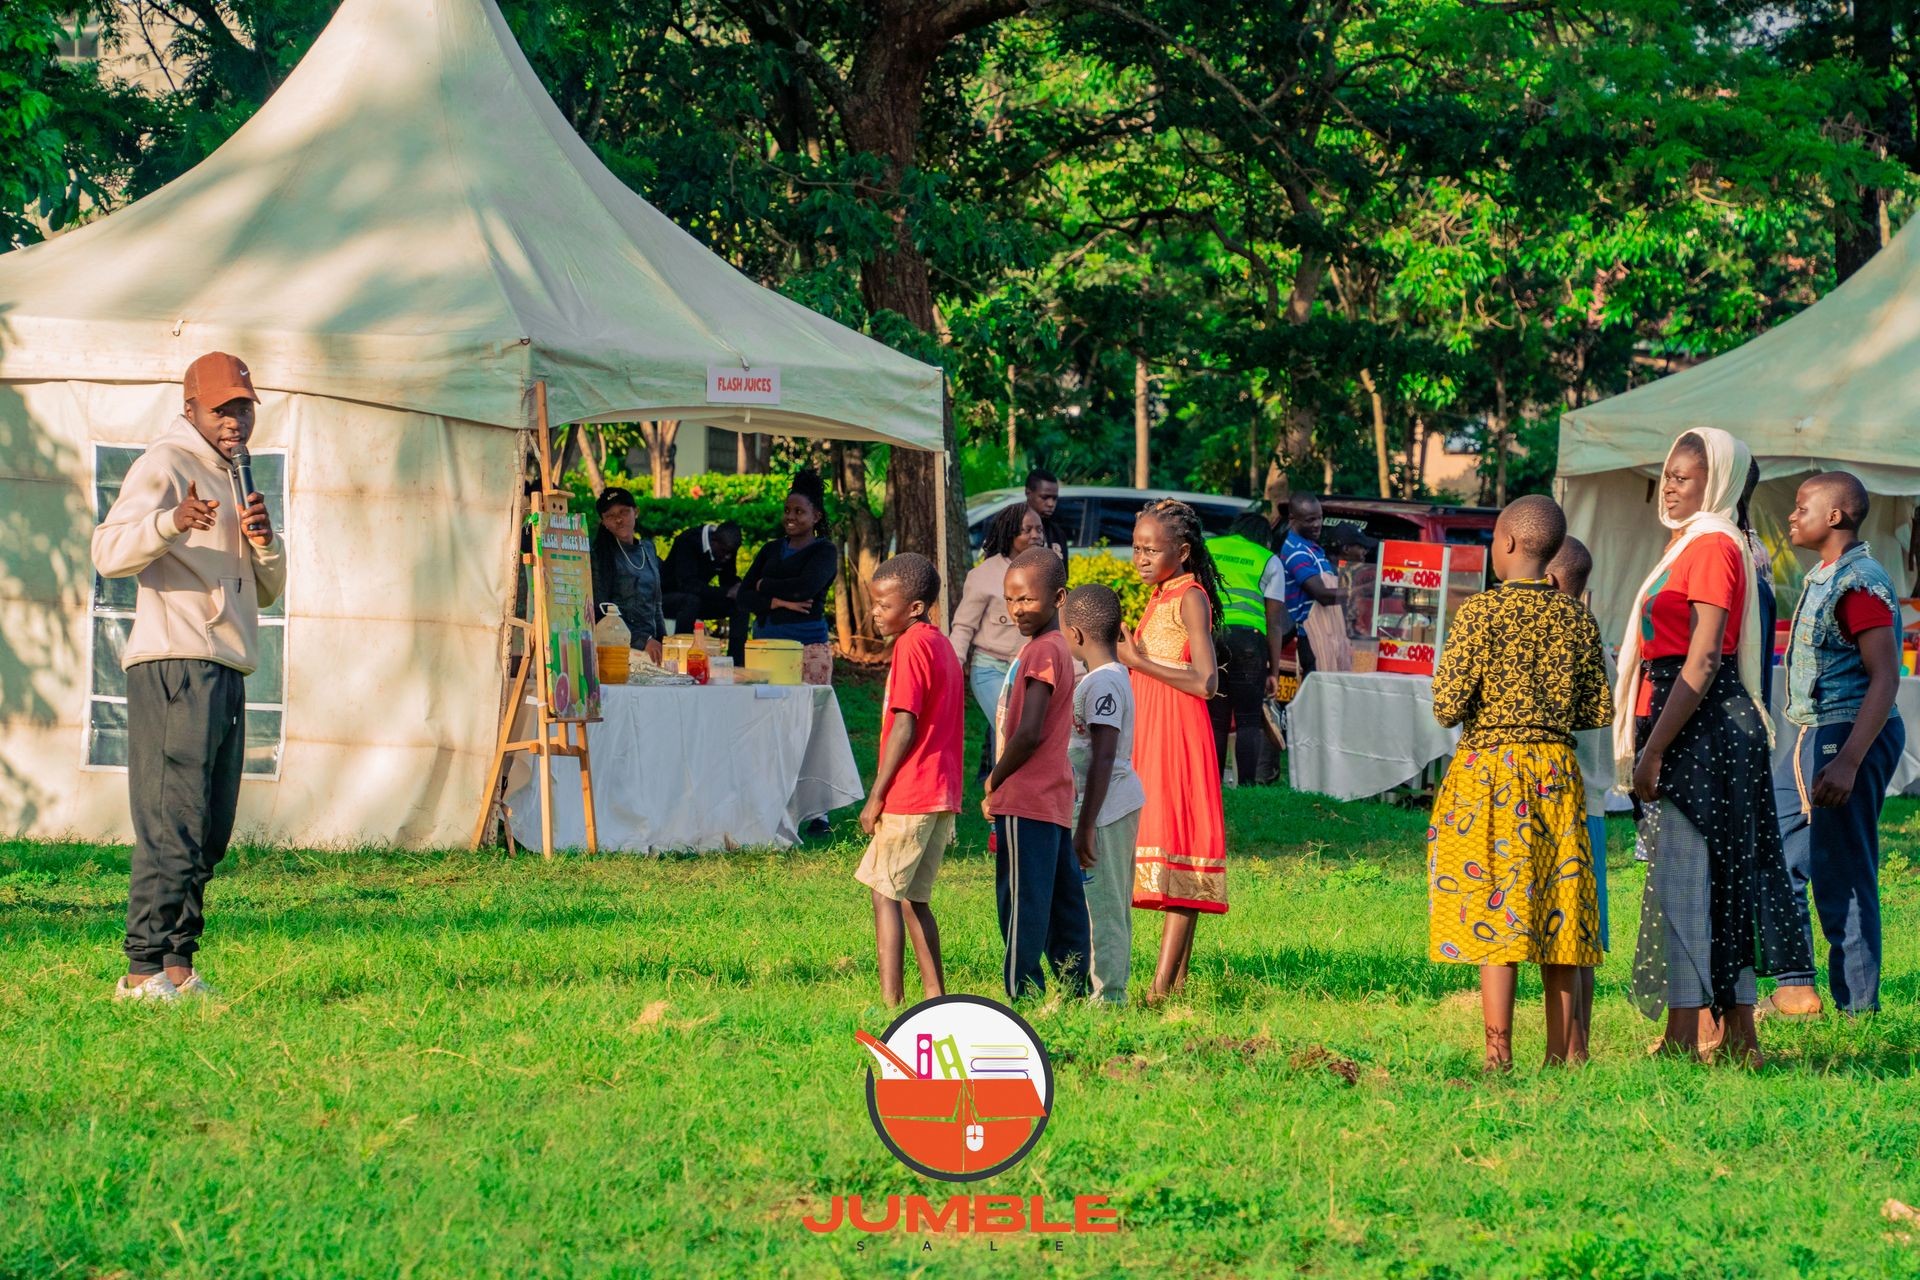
(1419,587)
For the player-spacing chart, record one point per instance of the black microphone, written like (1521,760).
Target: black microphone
(241,464)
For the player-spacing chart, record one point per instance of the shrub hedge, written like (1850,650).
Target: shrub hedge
(1111,570)
(754,501)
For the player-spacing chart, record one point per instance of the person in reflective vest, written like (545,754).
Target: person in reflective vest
(1253,626)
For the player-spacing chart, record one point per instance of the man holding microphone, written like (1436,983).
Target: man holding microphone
(202,545)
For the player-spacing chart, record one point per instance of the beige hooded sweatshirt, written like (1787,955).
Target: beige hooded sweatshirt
(201,590)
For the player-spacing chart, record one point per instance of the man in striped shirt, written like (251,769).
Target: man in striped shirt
(1304,562)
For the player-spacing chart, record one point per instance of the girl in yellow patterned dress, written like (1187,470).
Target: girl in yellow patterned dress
(1509,869)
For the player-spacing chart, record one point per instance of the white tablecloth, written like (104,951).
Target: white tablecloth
(692,767)
(1354,734)
(1358,734)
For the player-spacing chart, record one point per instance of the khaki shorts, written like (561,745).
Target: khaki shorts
(905,855)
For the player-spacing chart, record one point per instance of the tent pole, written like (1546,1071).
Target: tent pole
(940,534)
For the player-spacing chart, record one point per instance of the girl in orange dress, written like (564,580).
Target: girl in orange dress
(1181,864)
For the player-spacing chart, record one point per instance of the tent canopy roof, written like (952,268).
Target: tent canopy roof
(409,221)
(1834,386)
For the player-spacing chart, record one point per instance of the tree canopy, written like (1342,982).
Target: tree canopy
(1275,240)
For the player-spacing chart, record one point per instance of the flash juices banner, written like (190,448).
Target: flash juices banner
(753,384)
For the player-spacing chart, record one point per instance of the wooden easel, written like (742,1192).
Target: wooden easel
(544,744)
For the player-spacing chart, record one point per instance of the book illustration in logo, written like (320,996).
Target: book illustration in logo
(975,1097)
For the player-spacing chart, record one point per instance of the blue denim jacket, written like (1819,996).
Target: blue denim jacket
(1826,680)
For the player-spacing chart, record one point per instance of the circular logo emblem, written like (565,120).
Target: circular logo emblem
(959,1088)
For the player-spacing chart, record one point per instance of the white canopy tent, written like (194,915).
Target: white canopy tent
(1834,388)
(400,243)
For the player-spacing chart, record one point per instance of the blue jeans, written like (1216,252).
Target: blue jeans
(1597,840)
(1838,852)
(984,677)
(1042,903)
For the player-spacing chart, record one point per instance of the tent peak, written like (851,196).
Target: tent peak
(410,221)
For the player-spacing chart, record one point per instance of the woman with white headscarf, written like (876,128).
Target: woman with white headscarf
(1694,737)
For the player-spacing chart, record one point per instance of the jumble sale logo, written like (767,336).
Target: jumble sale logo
(960,1088)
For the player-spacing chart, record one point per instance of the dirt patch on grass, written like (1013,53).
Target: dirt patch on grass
(1320,1058)
(1248,1049)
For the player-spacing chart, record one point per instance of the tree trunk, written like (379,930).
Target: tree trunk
(1013,422)
(1142,445)
(880,105)
(859,552)
(590,459)
(1306,286)
(1417,472)
(660,449)
(1499,434)
(1253,448)
(1381,464)
(1866,233)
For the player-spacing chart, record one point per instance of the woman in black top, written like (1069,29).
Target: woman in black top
(784,591)
(626,572)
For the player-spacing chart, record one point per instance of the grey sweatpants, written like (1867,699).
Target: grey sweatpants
(186,742)
(1109,889)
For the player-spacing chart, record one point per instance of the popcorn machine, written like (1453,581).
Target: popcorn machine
(1418,588)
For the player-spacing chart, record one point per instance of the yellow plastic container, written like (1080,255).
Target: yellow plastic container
(779,659)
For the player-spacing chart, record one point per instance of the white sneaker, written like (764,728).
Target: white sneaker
(195,985)
(158,988)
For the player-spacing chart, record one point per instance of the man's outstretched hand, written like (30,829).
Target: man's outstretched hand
(197,512)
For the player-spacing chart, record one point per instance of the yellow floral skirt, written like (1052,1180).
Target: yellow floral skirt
(1509,868)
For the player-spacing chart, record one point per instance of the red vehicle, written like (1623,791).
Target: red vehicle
(1384,518)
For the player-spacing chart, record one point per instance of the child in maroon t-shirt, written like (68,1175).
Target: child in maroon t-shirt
(1037,883)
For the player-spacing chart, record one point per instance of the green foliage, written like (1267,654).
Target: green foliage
(64,135)
(714,487)
(755,502)
(1485,213)
(1113,571)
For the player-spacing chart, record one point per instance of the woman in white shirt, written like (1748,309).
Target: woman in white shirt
(984,637)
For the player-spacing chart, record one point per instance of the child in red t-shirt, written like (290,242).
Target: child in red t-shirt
(1037,882)
(916,789)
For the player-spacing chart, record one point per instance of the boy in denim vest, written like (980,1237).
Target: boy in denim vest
(1843,667)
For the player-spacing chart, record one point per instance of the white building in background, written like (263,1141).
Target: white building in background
(699,449)
(139,51)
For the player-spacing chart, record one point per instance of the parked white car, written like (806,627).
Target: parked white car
(1093,514)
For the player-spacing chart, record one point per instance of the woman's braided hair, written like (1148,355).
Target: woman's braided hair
(1004,529)
(1183,526)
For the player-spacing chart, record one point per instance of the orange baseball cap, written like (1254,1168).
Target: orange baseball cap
(215,378)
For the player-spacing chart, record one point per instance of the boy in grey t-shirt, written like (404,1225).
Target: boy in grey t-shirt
(1107,790)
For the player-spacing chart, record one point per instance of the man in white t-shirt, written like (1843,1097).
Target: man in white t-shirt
(1107,791)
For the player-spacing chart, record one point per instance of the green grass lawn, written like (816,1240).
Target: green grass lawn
(450,1065)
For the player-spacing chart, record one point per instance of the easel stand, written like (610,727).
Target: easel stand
(554,734)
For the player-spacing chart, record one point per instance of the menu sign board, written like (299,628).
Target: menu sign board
(563,574)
